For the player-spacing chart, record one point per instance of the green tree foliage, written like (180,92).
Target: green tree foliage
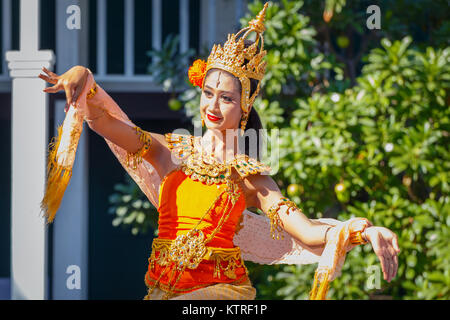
(168,63)
(346,37)
(383,141)
(131,208)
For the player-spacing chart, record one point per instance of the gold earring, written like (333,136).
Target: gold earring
(243,123)
(203,122)
(243,127)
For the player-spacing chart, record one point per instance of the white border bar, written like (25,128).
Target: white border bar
(101,38)
(211,22)
(239,12)
(184,25)
(129,38)
(157,24)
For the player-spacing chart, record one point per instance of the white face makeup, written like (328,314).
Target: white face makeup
(220,103)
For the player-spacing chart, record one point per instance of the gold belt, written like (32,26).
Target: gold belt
(184,255)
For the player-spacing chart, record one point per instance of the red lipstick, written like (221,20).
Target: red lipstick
(212,118)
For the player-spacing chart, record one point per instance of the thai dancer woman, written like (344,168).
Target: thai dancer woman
(203,185)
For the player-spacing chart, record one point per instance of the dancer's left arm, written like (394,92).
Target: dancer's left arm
(265,193)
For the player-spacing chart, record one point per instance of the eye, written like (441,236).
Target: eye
(208,93)
(227,98)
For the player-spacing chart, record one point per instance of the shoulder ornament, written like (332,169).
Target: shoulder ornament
(180,145)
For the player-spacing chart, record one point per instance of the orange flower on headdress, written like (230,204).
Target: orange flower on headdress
(197,73)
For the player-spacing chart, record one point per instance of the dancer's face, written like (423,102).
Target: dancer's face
(220,103)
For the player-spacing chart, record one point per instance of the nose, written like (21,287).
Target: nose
(214,105)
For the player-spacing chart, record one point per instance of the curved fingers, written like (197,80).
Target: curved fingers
(51,74)
(386,262)
(383,263)
(395,244)
(57,87)
(48,79)
(394,259)
(395,265)
(379,251)
(391,258)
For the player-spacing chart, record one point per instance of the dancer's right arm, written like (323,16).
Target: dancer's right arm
(123,134)
(109,127)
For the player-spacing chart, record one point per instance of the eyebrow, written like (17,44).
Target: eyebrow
(210,88)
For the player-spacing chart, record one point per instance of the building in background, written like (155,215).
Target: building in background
(113,40)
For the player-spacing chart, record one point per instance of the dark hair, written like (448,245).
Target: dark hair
(253,123)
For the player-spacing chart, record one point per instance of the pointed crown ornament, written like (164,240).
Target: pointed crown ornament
(232,57)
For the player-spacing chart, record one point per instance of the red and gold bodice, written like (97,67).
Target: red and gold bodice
(199,209)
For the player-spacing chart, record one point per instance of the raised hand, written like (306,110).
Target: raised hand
(72,82)
(385,245)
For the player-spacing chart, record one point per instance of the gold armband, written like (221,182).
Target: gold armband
(276,225)
(134,159)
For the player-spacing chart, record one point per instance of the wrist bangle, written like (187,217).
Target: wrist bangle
(92,91)
(357,238)
(135,158)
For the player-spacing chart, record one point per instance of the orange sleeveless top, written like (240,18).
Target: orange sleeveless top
(182,204)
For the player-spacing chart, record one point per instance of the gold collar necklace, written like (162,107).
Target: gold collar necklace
(205,168)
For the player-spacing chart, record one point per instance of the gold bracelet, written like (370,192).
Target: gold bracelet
(276,225)
(92,91)
(357,238)
(135,158)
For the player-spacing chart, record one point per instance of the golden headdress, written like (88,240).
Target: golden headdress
(243,63)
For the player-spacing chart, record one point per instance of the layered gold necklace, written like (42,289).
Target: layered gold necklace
(205,167)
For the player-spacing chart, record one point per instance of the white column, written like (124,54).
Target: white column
(184,25)
(28,18)
(101,38)
(156,26)
(129,38)
(239,12)
(29,279)
(70,231)
(212,22)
